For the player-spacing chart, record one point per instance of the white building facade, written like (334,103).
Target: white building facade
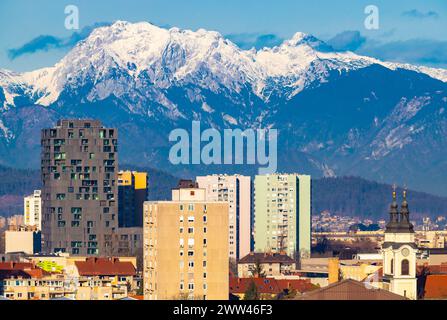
(32,207)
(237,191)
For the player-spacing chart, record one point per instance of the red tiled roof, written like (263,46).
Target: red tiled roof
(105,267)
(20,269)
(269,285)
(435,286)
(10,265)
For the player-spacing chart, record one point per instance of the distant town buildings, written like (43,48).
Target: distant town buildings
(186,246)
(283,213)
(132,192)
(32,210)
(237,191)
(80,189)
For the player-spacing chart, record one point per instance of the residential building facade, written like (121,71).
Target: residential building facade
(282,213)
(186,247)
(32,210)
(79,194)
(237,191)
(22,239)
(270,264)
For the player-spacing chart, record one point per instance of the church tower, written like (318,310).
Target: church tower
(399,252)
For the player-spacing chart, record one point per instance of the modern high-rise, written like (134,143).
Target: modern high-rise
(132,192)
(80,189)
(186,247)
(32,210)
(236,190)
(283,213)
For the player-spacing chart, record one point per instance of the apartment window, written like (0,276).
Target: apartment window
(60,196)
(190,253)
(181,285)
(181,218)
(204,275)
(191,219)
(191,207)
(191,286)
(191,230)
(204,218)
(191,264)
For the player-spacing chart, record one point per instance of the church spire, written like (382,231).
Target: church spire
(405,224)
(393,224)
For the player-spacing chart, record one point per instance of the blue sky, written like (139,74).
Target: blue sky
(409,31)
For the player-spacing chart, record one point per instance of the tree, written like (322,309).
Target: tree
(252,291)
(233,266)
(258,271)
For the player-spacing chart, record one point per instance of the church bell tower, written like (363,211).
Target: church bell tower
(399,251)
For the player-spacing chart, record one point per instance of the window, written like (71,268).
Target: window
(405,267)
(191,219)
(191,230)
(392,266)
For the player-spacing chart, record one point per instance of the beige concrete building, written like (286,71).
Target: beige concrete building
(186,247)
(236,190)
(22,239)
(32,210)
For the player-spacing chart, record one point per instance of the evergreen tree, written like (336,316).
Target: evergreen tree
(252,292)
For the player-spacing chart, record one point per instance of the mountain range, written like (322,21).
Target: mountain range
(337,113)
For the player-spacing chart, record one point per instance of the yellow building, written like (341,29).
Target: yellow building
(186,247)
(132,192)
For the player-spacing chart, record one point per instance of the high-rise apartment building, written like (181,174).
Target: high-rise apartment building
(32,210)
(236,190)
(132,192)
(79,195)
(283,213)
(186,247)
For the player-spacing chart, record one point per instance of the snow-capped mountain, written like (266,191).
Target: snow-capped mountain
(337,112)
